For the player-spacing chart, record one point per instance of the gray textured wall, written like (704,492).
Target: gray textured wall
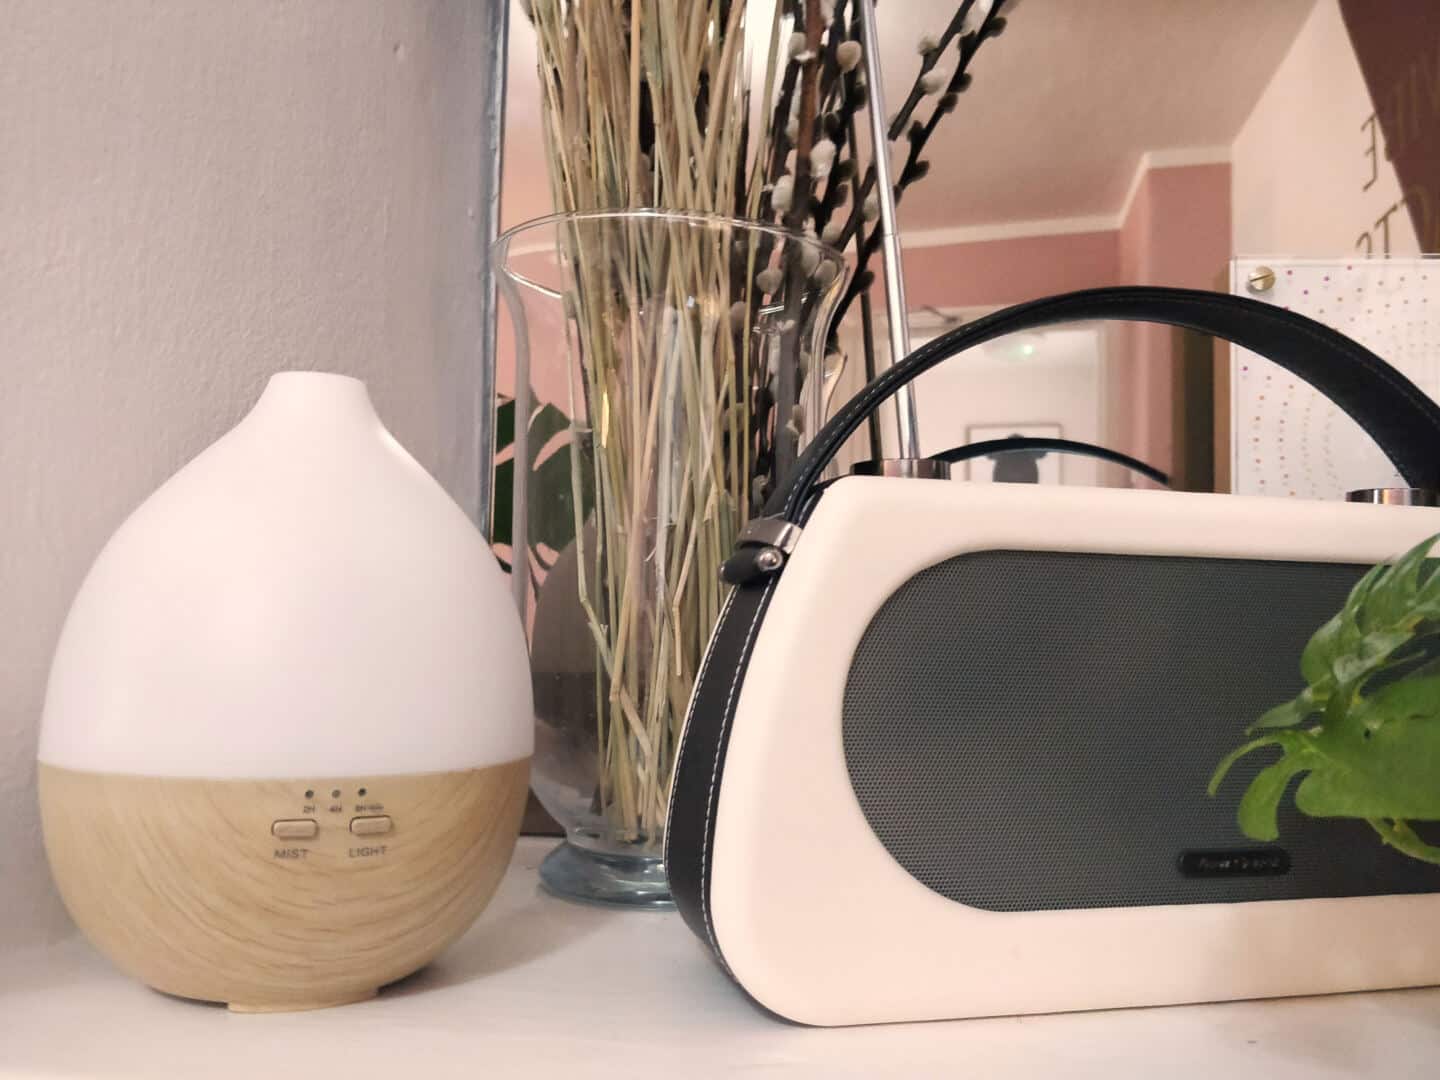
(194,195)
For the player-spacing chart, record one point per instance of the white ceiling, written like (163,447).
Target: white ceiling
(1062,106)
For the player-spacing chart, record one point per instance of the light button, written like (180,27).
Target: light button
(296,829)
(373,825)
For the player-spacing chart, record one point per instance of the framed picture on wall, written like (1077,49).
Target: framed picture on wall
(1022,467)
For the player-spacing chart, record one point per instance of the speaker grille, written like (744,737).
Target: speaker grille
(1035,730)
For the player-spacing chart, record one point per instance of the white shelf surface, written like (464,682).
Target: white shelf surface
(543,988)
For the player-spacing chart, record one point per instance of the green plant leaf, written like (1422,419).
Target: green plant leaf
(1389,772)
(1367,655)
(1322,649)
(1415,697)
(503,504)
(1375,752)
(504,424)
(502,494)
(547,422)
(1427,593)
(551,487)
(1293,712)
(1350,615)
(1229,760)
(1391,601)
(1260,805)
(552,506)
(1400,836)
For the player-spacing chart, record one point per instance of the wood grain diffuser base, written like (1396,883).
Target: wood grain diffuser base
(287,736)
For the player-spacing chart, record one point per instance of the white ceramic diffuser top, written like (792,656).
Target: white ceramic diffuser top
(302,599)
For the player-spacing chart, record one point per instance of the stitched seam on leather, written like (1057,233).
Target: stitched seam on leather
(690,716)
(727,719)
(1332,341)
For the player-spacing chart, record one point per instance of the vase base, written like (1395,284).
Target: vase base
(593,877)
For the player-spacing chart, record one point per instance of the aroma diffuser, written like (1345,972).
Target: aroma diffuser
(287,735)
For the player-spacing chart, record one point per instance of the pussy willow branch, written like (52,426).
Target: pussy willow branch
(788,389)
(780,141)
(915,166)
(843,89)
(928,60)
(809,102)
(830,115)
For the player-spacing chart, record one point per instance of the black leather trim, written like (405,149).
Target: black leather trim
(691,827)
(695,794)
(1391,409)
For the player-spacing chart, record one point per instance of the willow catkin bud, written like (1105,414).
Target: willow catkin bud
(848,55)
(822,157)
(783,194)
(767,281)
(975,17)
(932,82)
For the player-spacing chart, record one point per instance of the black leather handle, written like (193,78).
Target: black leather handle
(1019,444)
(1391,409)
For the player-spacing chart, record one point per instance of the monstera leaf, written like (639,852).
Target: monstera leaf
(551,486)
(1365,732)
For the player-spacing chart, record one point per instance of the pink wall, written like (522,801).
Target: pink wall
(1009,271)
(1177,232)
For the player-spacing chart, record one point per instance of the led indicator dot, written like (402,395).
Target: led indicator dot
(335,794)
(362,792)
(310,794)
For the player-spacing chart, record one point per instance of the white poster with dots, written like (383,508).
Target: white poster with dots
(1287,439)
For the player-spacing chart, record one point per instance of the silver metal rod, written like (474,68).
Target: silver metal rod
(492,142)
(906,424)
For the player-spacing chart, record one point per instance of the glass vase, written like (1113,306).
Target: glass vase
(668,367)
